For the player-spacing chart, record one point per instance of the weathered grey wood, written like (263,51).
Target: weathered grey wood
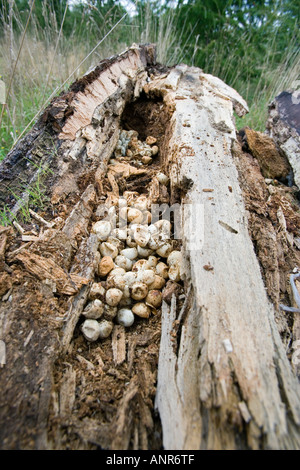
(85,264)
(231,385)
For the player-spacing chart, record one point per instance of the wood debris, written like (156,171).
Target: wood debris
(2,353)
(43,269)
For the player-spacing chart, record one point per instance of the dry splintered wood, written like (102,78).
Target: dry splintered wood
(229,350)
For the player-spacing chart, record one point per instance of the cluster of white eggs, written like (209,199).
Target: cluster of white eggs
(130,148)
(137,259)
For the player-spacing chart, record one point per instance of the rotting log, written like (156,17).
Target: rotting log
(209,372)
(229,370)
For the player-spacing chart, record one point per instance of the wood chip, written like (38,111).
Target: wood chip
(28,338)
(118,344)
(4,229)
(244,411)
(83,360)
(3,240)
(208,267)
(43,269)
(40,219)
(125,170)
(18,227)
(30,238)
(113,183)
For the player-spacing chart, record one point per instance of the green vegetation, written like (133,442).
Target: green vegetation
(32,196)
(46,44)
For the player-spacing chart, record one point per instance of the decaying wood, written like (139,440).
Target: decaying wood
(67,392)
(77,222)
(85,266)
(125,417)
(283,125)
(118,345)
(223,379)
(40,219)
(229,349)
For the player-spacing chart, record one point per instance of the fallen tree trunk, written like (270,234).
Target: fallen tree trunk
(228,378)
(210,369)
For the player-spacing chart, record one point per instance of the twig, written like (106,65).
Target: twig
(2,353)
(18,227)
(40,219)
(67,79)
(294,288)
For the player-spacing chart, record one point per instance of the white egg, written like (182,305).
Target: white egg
(91,329)
(125,317)
(102,229)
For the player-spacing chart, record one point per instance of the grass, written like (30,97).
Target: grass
(48,60)
(32,196)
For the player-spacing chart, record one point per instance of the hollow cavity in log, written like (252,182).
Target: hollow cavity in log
(133,200)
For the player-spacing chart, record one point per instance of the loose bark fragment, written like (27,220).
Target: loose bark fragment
(272,163)
(284,127)
(44,269)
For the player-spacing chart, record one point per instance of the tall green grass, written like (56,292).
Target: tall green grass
(49,57)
